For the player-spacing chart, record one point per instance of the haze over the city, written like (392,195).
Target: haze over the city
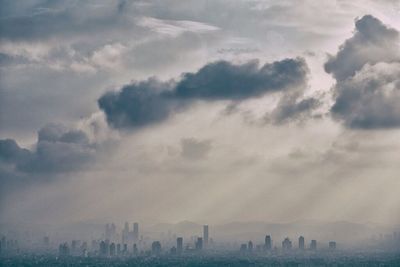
(205,111)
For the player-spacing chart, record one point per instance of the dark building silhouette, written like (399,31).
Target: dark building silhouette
(205,235)
(250,246)
(332,245)
(268,242)
(313,245)
(3,243)
(112,249)
(302,244)
(107,232)
(286,243)
(135,249)
(156,247)
(104,249)
(179,244)
(125,233)
(118,249)
(46,241)
(199,243)
(243,248)
(135,231)
(63,249)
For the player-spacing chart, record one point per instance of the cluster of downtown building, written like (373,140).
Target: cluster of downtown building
(130,242)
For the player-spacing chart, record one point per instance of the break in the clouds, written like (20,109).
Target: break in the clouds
(151,101)
(366,69)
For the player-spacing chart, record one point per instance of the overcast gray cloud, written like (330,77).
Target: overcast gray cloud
(371,43)
(58,149)
(293,107)
(366,69)
(195,149)
(152,101)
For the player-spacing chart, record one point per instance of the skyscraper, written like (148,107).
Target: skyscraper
(156,247)
(135,231)
(286,243)
(125,233)
(113,232)
(103,249)
(313,245)
(199,243)
(332,245)
(268,242)
(107,232)
(135,250)
(250,246)
(205,235)
(112,249)
(179,244)
(301,243)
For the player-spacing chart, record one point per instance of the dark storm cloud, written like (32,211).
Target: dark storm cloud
(370,100)
(224,80)
(11,153)
(137,104)
(371,43)
(151,101)
(367,71)
(290,108)
(58,149)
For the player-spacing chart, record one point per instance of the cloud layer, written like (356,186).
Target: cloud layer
(152,101)
(58,149)
(366,69)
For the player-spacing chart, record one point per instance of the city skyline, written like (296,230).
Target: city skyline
(113,243)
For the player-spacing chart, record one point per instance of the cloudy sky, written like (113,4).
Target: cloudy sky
(211,111)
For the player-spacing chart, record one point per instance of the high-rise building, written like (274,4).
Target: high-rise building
(135,249)
(135,231)
(112,249)
(63,249)
(313,245)
(46,241)
(156,247)
(125,233)
(113,232)
(199,243)
(179,244)
(302,245)
(250,246)
(286,243)
(205,235)
(332,245)
(107,232)
(103,249)
(268,242)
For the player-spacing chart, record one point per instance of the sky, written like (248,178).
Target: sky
(209,111)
